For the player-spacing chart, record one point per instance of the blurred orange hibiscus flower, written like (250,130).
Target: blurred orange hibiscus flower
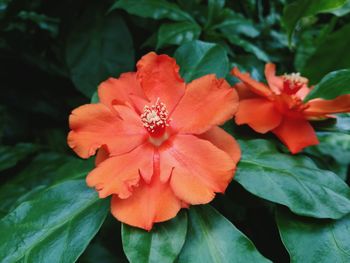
(160,148)
(278,107)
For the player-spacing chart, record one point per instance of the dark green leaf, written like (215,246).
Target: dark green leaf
(11,155)
(156,9)
(212,238)
(99,46)
(234,24)
(56,224)
(198,58)
(46,169)
(333,152)
(331,86)
(315,241)
(214,10)
(248,47)
(162,244)
(177,33)
(294,181)
(96,252)
(329,56)
(293,12)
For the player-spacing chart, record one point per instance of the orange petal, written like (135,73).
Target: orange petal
(102,154)
(244,92)
(296,134)
(208,101)
(118,90)
(320,107)
(302,93)
(117,175)
(224,141)
(275,82)
(196,167)
(94,125)
(255,86)
(149,203)
(260,114)
(159,78)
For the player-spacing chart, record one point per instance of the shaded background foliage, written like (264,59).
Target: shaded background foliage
(53,55)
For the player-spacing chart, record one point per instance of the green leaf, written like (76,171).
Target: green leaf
(99,46)
(331,86)
(156,9)
(293,181)
(56,224)
(162,244)
(310,240)
(248,47)
(294,11)
(214,10)
(344,10)
(95,98)
(46,169)
(177,33)
(212,238)
(234,24)
(198,58)
(11,155)
(332,54)
(333,152)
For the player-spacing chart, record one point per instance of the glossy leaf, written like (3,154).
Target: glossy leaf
(212,238)
(296,10)
(56,224)
(177,33)
(293,181)
(199,58)
(234,24)
(315,241)
(248,47)
(214,10)
(331,86)
(46,169)
(11,155)
(329,56)
(162,244)
(156,9)
(99,46)
(344,10)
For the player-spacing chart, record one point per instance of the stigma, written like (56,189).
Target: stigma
(293,82)
(155,119)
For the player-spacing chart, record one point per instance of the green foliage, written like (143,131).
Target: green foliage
(293,181)
(162,244)
(177,33)
(10,156)
(300,8)
(331,86)
(156,9)
(310,240)
(61,224)
(212,238)
(94,51)
(54,54)
(198,58)
(329,56)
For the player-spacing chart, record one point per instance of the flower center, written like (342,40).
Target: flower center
(293,82)
(155,119)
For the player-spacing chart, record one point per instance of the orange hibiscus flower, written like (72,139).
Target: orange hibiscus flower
(278,107)
(159,145)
